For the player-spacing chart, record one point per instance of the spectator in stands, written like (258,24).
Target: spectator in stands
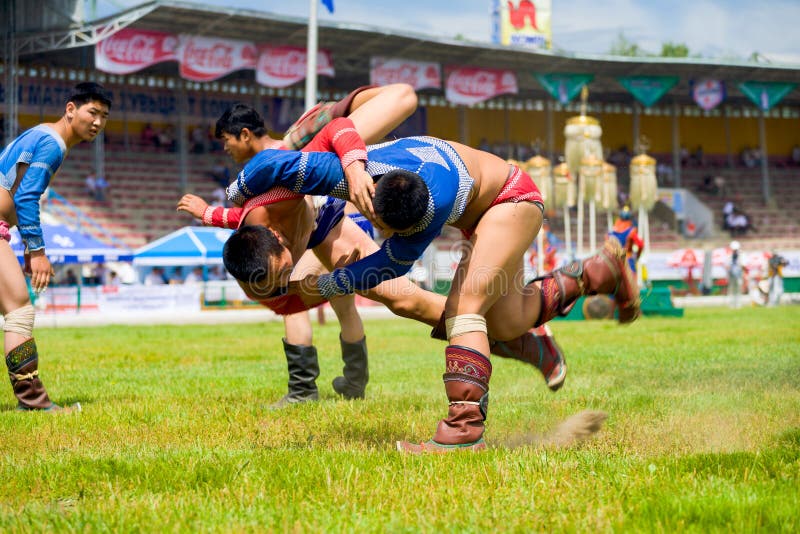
(708,185)
(195,276)
(113,279)
(794,158)
(684,154)
(148,136)
(219,198)
(721,186)
(220,173)
(177,276)
(664,174)
(698,157)
(739,223)
(100,189)
(216,273)
(100,274)
(198,139)
(166,138)
(156,277)
(727,211)
(27,164)
(70,279)
(90,184)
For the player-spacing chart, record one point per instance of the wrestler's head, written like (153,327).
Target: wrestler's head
(87,110)
(258,259)
(240,128)
(400,202)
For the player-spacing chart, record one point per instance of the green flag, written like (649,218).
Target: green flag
(648,89)
(563,86)
(766,94)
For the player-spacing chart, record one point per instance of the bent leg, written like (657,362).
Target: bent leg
(376,112)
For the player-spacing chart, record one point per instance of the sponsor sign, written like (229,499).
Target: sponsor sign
(131,50)
(470,85)
(282,66)
(418,74)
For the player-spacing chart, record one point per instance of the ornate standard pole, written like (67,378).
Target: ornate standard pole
(582,139)
(564,196)
(539,169)
(591,178)
(608,193)
(643,196)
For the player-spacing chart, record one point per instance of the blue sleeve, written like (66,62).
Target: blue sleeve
(394,259)
(45,161)
(313,173)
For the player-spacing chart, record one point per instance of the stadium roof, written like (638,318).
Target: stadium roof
(352,45)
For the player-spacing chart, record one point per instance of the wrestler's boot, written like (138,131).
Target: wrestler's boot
(606,272)
(303,372)
(23,370)
(535,347)
(467,385)
(356,370)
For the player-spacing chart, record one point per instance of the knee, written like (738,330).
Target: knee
(20,321)
(406,97)
(405,307)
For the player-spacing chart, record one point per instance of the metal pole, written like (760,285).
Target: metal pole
(183,141)
(10,60)
(762,136)
(676,145)
(551,143)
(728,143)
(311,55)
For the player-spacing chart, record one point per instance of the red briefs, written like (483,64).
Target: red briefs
(519,187)
(5,231)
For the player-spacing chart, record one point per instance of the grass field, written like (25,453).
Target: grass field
(703,434)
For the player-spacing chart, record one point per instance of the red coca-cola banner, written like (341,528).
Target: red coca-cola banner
(131,50)
(282,66)
(419,74)
(470,85)
(204,59)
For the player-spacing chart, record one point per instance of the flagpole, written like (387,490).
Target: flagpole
(311,55)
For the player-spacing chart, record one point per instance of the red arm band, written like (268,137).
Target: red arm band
(222,217)
(340,136)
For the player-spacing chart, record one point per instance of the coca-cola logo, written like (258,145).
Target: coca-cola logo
(138,48)
(477,83)
(284,63)
(218,56)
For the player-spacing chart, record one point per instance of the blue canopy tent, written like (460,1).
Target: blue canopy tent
(64,245)
(191,245)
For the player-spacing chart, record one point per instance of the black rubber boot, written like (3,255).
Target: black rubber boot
(303,372)
(356,370)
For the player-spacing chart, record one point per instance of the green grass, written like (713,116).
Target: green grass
(703,434)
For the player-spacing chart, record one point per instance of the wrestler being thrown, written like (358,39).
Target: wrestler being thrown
(424,183)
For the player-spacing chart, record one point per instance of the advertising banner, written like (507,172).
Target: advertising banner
(131,50)
(708,93)
(648,89)
(418,74)
(523,23)
(470,85)
(282,66)
(204,59)
(564,86)
(765,95)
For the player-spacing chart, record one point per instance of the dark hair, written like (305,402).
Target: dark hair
(401,199)
(86,92)
(248,251)
(238,117)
